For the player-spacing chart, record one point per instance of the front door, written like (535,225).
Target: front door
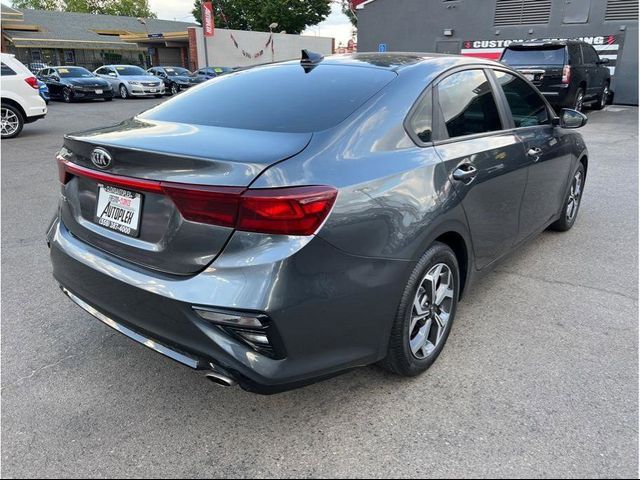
(547,154)
(485,161)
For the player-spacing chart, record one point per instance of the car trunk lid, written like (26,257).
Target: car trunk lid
(147,158)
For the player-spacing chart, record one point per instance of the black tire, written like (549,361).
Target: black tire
(67,95)
(124,93)
(566,221)
(108,99)
(578,100)
(400,357)
(603,98)
(15,120)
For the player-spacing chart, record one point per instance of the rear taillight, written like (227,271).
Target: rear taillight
(284,211)
(566,74)
(33,82)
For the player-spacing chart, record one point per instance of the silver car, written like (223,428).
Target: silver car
(131,81)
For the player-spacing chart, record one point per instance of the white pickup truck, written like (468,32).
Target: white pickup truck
(21,100)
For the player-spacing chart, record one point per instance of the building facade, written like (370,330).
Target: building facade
(484,27)
(39,37)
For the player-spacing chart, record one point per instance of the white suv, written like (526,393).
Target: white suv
(20,95)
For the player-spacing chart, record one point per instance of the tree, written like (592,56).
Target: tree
(127,8)
(349,10)
(292,16)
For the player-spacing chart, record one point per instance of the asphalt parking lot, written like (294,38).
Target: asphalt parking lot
(539,376)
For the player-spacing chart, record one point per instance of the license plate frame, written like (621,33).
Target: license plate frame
(119,210)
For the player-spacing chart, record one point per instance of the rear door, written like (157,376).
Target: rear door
(484,158)
(548,156)
(590,65)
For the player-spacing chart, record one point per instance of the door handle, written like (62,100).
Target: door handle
(465,172)
(535,152)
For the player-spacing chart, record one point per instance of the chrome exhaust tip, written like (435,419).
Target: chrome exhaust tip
(221,380)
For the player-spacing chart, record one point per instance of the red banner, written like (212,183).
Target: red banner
(207,19)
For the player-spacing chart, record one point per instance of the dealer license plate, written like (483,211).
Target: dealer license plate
(99,92)
(119,210)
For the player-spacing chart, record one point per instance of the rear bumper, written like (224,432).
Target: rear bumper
(332,311)
(560,96)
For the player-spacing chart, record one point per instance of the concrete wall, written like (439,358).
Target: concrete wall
(418,25)
(222,51)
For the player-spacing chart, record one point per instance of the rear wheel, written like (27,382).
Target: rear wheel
(578,102)
(426,313)
(124,93)
(11,120)
(571,203)
(603,98)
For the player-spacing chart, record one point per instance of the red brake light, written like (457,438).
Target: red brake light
(286,211)
(33,82)
(566,74)
(283,211)
(214,205)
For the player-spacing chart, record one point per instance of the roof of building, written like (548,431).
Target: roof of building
(43,28)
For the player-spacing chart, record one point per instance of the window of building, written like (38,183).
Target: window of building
(576,11)
(522,12)
(621,10)
(467,104)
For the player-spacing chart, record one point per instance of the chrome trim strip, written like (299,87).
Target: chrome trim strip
(147,342)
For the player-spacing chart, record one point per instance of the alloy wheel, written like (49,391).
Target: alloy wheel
(123,91)
(174,89)
(574,197)
(605,96)
(431,311)
(579,101)
(10,122)
(66,94)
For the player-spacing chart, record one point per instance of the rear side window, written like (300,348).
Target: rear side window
(467,104)
(422,118)
(280,98)
(6,70)
(534,56)
(589,54)
(527,108)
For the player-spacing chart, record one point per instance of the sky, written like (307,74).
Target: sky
(336,25)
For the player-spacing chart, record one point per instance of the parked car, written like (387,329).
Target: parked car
(44,91)
(569,73)
(204,74)
(35,67)
(20,97)
(175,79)
(297,229)
(131,81)
(71,84)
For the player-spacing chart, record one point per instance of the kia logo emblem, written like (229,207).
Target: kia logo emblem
(101,158)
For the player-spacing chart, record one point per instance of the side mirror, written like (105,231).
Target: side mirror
(572,118)
(603,61)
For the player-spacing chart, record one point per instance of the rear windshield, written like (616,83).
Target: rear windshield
(534,56)
(279,98)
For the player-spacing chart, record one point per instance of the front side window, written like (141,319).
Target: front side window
(527,108)
(589,54)
(467,104)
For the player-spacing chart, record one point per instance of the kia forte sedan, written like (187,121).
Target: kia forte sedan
(285,223)
(71,84)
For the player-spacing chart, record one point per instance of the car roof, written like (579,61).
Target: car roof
(399,61)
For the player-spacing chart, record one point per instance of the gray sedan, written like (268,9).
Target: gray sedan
(285,223)
(131,81)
